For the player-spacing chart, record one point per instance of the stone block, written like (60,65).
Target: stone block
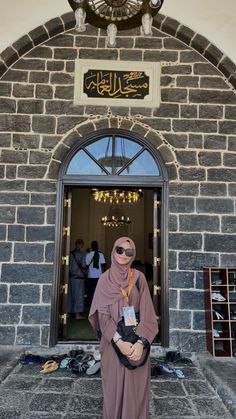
(149,43)
(27,335)
(177,140)
(16,233)
(180,319)
(7,335)
(35,314)
(61,78)
(28,252)
(30,64)
(173,298)
(7,106)
(160,124)
(5,89)
(12,156)
(7,215)
(46,295)
(23,90)
(213,189)
(223,175)
(5,140)
(53,172)
(55,65)
(192,174)
(3,293)
(3,68)
(11,171)
(184,189)
(199,43)
(38,35)
(227,127)
(215,142)
(44,124)
(14,198)
(39,157)
(205,407)
(43,91)
(174,95)
(170,25)
(31,171)
(212,96)
(25,141)
(192,300)
(65,54)
(173,223)
(181,204)
(33,273)
(64,92)
(167,110)
(181,241)
(130,55)
(172,171)
(63,107)
(193,125)
(30,106)
(17,123)
(3,230)
(199,223)
(39,77)
(228,224)
(213,54)
(9,56)
(215,205)
(45,330)
(191,57)
(48,402)
(232,189)
(49,252)
(10,314)
(166,153)
(68,20)
(188,111)
(96,110)
(197,260)
(187,81)
(39,233)
(43,199)
(51,215)
(23,45)
(62,40)
(205,69)
(188,341)
(224,243)
(54,26)
(40,52)
(185,34)
(211,112)
(24,294)
(161,56)
(195,141)
(172,259)
(213,83)
(70,66)
(178,279)
(50,141)
(228,260)
(40,186)
(209,158)
(186,158)
(230,112)
(199,320)
(167,81)
(100,54)
(66,123)
(16,75)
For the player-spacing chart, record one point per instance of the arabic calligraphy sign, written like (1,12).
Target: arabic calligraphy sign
(125,83)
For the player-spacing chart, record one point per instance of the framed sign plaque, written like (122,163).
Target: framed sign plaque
(117,83)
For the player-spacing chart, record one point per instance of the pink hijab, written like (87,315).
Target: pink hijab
(108,287)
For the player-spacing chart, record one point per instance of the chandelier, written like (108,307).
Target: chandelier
(114,15)
(117,196)
(115,218)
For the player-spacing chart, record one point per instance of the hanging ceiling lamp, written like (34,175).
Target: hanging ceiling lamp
(115,217)
(117,196)
(114,15)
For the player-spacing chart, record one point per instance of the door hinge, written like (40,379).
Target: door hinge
(156,261)
(66,231)
(67,203)
(65,289)
(157,203)
(64,318)
(157,232)
(156,289)
(65,260)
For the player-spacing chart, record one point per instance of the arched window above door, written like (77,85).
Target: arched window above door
(113,155)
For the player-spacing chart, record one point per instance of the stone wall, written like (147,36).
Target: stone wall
(194,129)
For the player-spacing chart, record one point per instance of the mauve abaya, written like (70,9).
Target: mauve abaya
(125,392)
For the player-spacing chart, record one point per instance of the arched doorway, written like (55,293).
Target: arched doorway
(105,162)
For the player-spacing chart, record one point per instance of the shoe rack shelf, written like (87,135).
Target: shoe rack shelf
(220,304)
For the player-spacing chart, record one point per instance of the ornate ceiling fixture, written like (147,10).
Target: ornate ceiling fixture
(117,196)
(114,15)
(115,218)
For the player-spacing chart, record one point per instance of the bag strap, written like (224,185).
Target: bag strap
(78,263)
(125,360)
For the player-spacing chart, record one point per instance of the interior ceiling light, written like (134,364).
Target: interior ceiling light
(115,217)
(117,196)
(122,14)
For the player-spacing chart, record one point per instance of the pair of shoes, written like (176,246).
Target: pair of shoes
(93,369)
(65,363)
(31,359)
(218,315)
(218,297)
(49,366)
(179,374)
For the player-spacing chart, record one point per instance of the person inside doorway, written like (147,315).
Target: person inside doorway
(75,301)
(96,264)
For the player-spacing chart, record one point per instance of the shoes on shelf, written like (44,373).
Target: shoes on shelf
(218,315)
(216,296)
(216,333)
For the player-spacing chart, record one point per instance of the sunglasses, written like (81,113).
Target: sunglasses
(128,252)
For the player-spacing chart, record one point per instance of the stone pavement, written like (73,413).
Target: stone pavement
(26,394)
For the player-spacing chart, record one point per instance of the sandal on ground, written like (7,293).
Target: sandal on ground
(65,363)
(49,366)
(97,356)
(31,359)
(93,369)
(179,374)
(75,352)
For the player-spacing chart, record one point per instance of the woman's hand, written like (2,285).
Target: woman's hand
(137,352)
(126,348)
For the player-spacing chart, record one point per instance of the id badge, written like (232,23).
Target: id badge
(129,316)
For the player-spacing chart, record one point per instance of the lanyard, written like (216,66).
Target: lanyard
(125,294)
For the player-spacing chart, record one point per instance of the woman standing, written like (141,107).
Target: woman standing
(125,391)
(96,265)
